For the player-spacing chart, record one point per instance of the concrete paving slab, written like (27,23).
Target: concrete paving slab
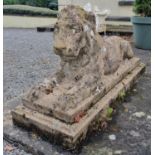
(69,134)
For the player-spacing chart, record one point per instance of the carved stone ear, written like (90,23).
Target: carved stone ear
(90,17)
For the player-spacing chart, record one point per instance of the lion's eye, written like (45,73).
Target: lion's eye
(74,31)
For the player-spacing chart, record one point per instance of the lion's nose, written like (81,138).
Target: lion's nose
(59,45)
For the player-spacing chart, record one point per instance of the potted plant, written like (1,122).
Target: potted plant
(142,24)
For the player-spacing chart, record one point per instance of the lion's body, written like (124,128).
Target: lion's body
(86,58)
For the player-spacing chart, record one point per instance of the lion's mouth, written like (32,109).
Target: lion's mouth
(67,58)
(66,55)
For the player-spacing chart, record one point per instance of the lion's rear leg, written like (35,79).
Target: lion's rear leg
(126,49)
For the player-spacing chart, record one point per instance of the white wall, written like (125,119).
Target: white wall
(111,5)
(63,2)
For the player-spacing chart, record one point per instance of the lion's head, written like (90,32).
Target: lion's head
(71,32)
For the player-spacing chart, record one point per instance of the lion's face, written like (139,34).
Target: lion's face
(70,33)
(69,40)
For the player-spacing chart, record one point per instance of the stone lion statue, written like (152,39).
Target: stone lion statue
(86,57)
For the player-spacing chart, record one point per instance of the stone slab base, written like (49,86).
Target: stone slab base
(70,135)
(43,105)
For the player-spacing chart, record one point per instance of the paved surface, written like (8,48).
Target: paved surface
(27,21)
(28,59)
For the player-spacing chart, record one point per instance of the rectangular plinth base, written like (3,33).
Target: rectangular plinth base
(72,134)
(45,104)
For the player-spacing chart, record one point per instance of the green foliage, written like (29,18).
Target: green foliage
(21,2)
(10,2)
(121,95)
(52,4)
(109,112)
(28,10)
(39,3)
(142,7)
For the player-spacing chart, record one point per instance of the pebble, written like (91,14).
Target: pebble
(112,137)
(134,90)
(134,133)
(118,152)
(16,151)
(138,114)
(148,117)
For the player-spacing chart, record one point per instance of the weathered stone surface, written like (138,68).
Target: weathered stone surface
(44,105)
(72,134)
(90,66)
(93,71)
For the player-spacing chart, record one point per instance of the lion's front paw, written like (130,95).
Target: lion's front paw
(39,91)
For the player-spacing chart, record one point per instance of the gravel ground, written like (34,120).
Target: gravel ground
(28,59)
